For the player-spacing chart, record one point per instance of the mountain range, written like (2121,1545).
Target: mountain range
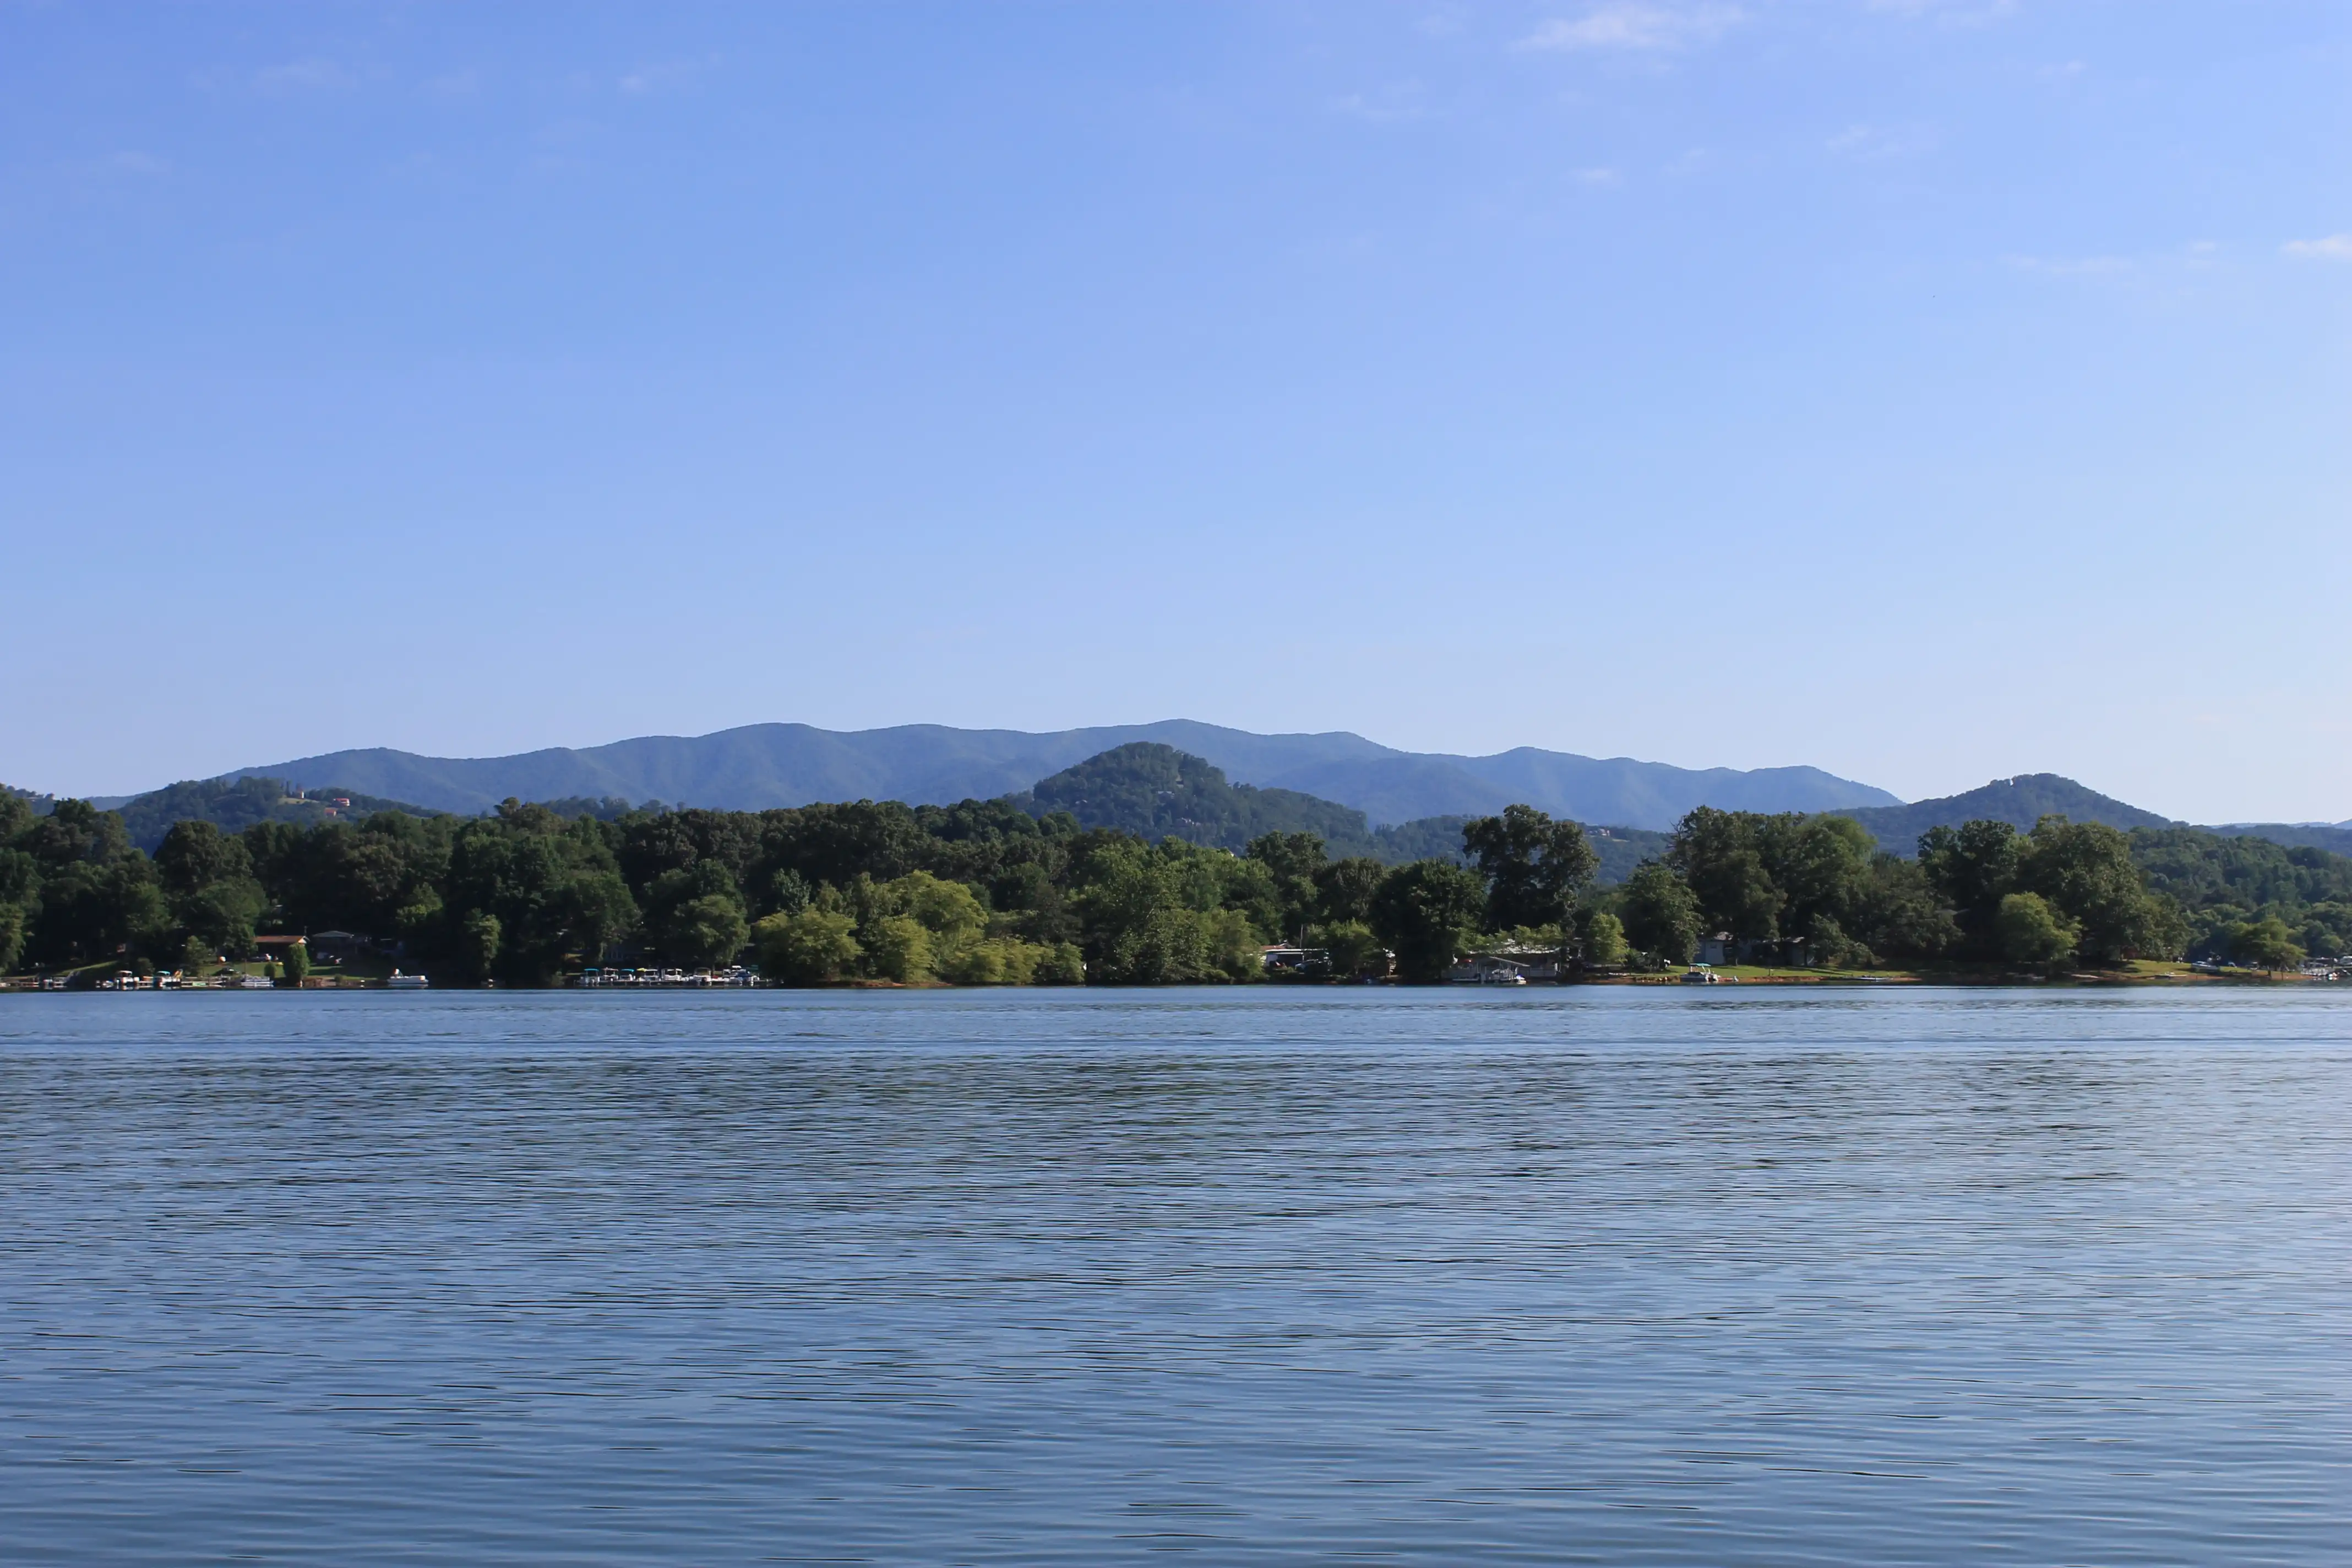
(2026,799)
(1152,788)
(764,766)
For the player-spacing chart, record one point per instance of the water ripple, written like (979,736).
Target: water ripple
(1569,1277)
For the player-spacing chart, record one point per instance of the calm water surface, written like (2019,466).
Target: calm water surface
(1557,1276)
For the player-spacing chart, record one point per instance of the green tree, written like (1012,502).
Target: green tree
(806,948)
(696,916)
(1821,866)
(2030,933)
(1717,855)
(75,832)
(1427,913)
(2085,871)
(2265,945)
(951,915)
(1901,914)
(1293,862)
(1659,913)
(221,915)
(1231,946)
(1533,865)
(1141,908)
(1602,937)
(298,964)
(1973,867)
(898,948)
(704,932)
(1344,889)
(195,854)
(1355,951)
(599,912)
(479,940)
(1062,965)
(92,909)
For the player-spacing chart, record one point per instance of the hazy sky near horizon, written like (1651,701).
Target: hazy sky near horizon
(1925,392)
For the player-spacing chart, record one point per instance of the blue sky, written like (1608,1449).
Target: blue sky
(1926,391)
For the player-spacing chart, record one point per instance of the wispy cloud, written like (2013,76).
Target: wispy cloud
(2152,266)
(1881,141)
(2072,266)
(313,75)
(1945,10)
(1387,104)
(665,75)
(2334,247)
(1635,27)
(465,83)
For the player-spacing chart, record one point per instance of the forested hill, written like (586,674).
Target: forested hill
(238,804)
(1154,791)
(2335,838)
(1157,791)
(2020,802)
(762,766)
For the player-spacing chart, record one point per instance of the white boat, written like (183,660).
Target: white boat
(400,982)
(1700,975)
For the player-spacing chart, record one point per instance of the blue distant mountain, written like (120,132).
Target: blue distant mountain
(764,766)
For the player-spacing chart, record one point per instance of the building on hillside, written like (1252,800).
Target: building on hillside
(336,946)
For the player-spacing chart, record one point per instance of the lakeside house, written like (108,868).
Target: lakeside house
(1495,969)
(1723,948)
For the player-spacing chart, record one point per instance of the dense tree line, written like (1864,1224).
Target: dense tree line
(1983,892)
(981,893)
(988,893)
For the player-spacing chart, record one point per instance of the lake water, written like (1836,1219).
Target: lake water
(1263,1277)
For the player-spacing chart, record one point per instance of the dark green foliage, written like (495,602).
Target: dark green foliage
(1534,867)
(2026,929)
(479,940)
(517,889)
(2265,944)
(989,892)
(2085,871)
(1902,916)
(75,833)
(1428,913)
(1621,850)
(238,804)
(1156,915)
(1423,838)
(2224,881)
(1717,854)
(1344,889)
(2019,802)
(1601,936)
(1660,914)
(2335,838)
(1154,791)
(1972,867)
(695,915)
(1292,862)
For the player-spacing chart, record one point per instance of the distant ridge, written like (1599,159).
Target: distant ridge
(764,765)
(2020,802)
(2335,838)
